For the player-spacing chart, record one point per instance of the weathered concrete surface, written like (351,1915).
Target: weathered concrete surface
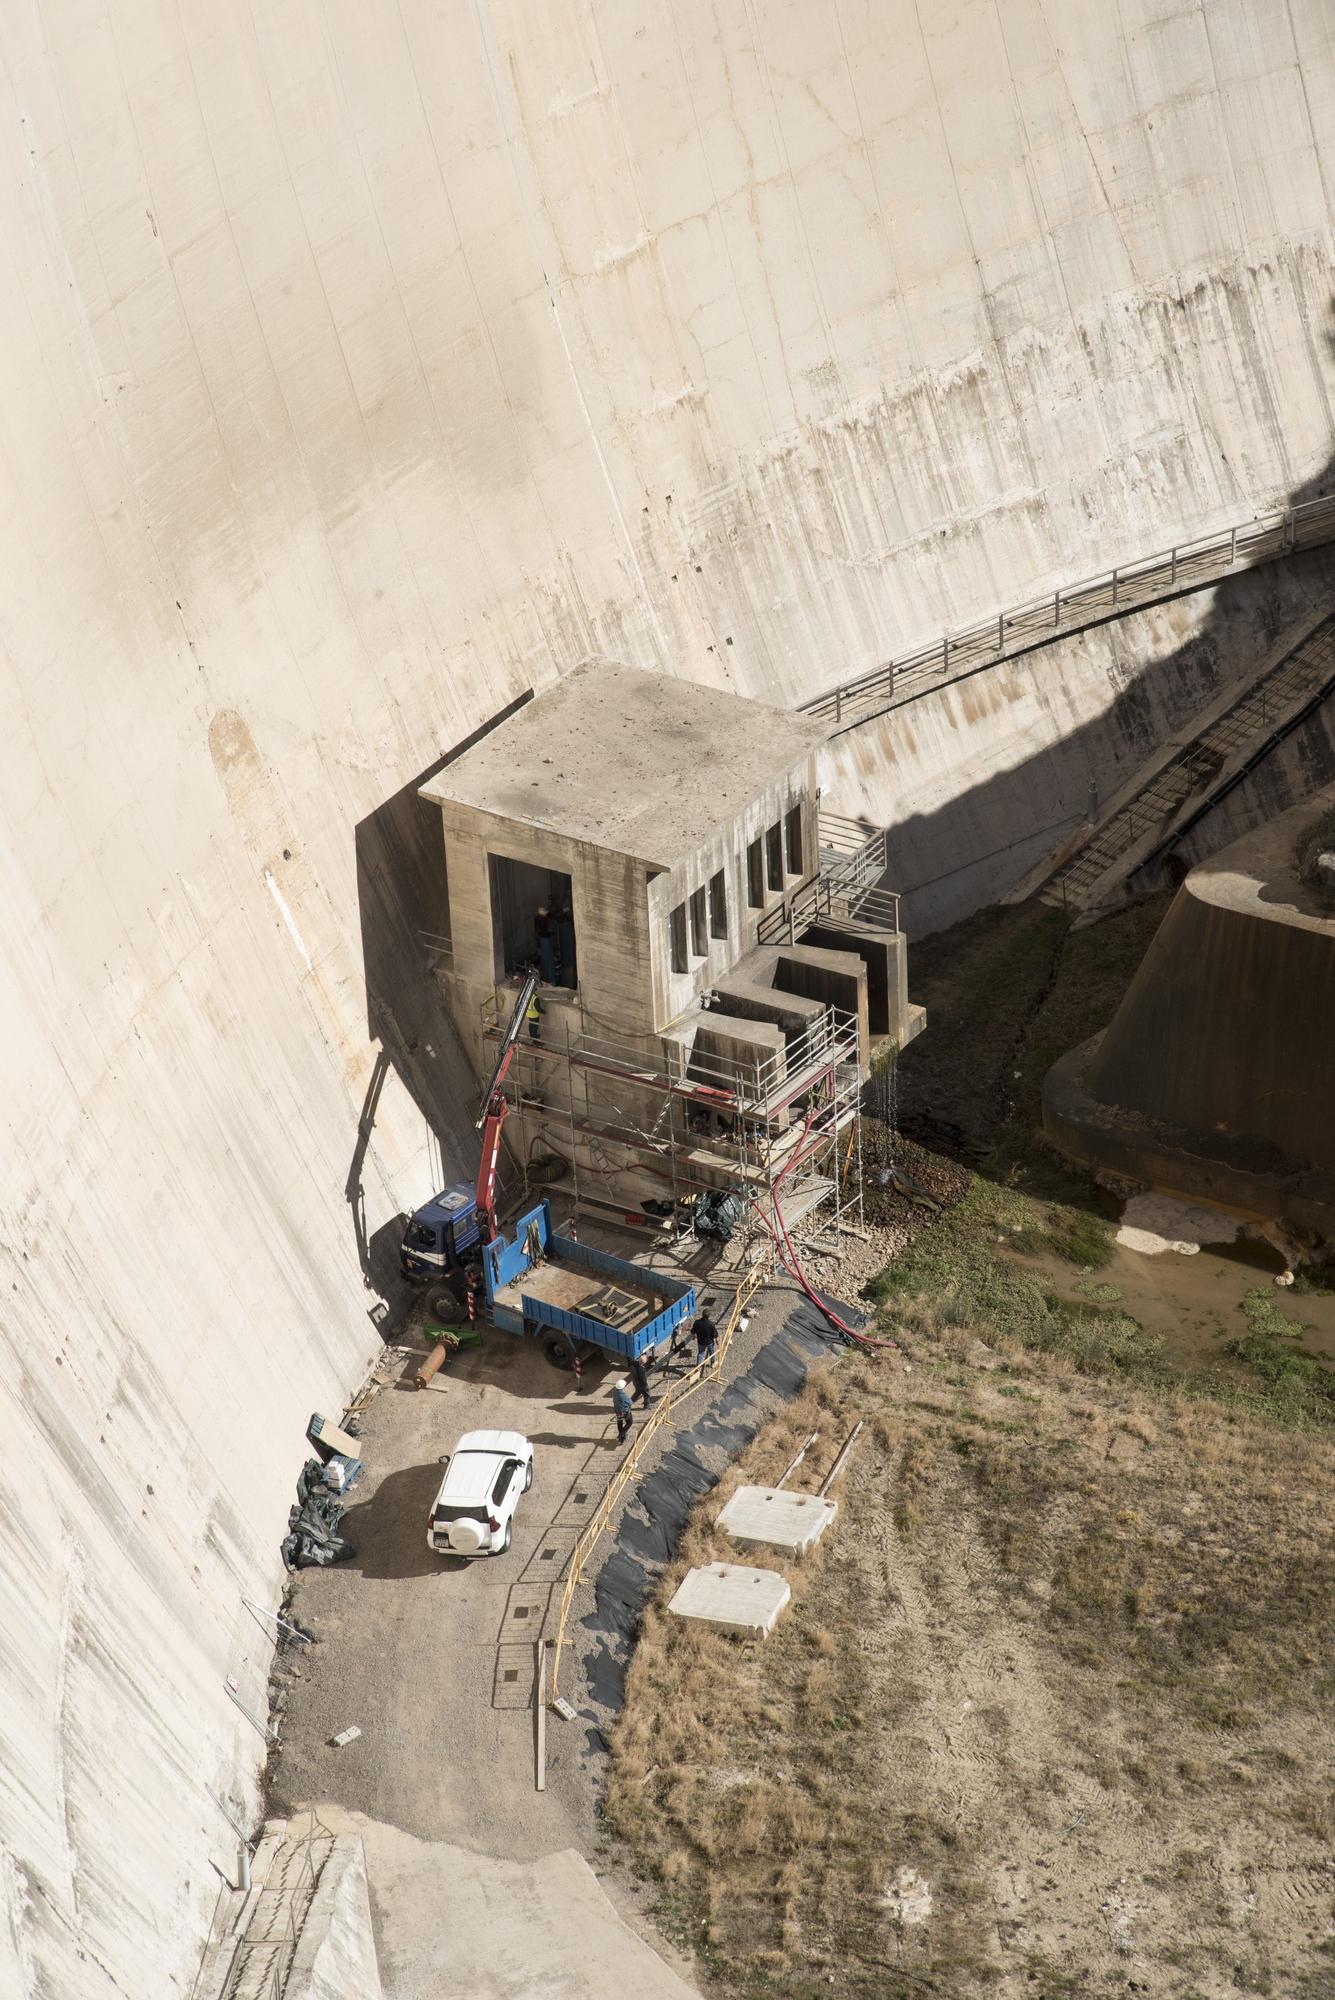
(455,1925)
(980,781)
(779,1520)
(364,366)
(336,1955)
(733,1597)
(1212,1079)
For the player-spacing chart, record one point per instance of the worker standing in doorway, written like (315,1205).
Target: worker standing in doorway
(624,1410)
(565,938)
(544,931)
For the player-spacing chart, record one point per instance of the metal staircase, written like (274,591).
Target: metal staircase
(1199,774)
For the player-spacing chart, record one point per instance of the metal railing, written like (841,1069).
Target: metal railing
(1200,770)
(1129,587)
(846,891)
(275,1932)
(754,1090)
(439,950)
(668,1405)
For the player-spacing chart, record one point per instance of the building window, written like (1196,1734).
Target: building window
(774,855)
(792,833)
(755,875)
(677,934)
(718,906)
(699,941)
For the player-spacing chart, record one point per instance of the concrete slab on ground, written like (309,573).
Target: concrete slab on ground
(455,1925)
(777,1519)
(733,1598)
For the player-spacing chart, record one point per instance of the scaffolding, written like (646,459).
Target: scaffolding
(780,1129)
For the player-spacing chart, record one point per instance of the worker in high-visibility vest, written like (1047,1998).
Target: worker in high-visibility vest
(533,1015)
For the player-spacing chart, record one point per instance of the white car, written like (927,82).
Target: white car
(473,1513)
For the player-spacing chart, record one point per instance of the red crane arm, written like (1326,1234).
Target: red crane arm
(495,1111)
(485,1194)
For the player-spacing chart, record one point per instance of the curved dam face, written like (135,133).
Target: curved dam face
(364,367)
(1209,1079)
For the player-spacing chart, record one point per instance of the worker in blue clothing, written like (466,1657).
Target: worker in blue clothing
(565,939)
(544,932)
(624,1410)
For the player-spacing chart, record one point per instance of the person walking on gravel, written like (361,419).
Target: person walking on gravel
(706,1335)
(624,1411)
(639,1375)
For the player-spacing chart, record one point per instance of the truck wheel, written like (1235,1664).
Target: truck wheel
(441,1304)
(557,1352)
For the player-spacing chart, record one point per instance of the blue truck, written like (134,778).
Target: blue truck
(440,1236)
(575,1298)
(537,1281)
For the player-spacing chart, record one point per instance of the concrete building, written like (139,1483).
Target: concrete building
(364,368)
(710,965)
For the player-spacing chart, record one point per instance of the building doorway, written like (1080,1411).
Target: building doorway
(532,920)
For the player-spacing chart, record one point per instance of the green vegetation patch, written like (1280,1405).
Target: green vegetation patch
(1300,1387)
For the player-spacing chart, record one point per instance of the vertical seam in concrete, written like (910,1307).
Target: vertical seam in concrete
(502,112)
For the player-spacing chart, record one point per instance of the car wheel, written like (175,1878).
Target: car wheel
(509,1536)
(528,1476)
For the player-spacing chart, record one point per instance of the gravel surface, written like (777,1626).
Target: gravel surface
(434,1659)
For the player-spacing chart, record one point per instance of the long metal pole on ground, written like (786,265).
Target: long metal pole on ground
(793,1465)
(842,1459)
(540,1700)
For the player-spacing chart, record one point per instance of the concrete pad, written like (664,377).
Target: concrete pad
(733,1598)
(781,1520)
(453,1924)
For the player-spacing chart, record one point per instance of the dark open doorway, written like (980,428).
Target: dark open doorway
(532,920)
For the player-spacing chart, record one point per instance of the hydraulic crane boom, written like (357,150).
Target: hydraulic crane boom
(494,1111)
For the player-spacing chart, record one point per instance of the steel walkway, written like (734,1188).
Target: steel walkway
(1130,587)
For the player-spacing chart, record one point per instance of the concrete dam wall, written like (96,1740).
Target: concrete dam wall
(363,367)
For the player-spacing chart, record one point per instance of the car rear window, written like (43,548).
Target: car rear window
(455,1513)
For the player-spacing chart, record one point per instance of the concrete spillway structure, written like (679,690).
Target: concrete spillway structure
(1213,1079)
(364,366)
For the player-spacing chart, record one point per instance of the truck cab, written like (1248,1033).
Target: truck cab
(440,1234)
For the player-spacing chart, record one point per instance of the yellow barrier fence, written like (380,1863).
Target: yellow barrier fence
(665,1413)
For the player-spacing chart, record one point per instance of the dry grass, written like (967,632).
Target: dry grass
(1066,1655)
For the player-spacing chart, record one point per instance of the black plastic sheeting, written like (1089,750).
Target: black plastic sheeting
(651,1526)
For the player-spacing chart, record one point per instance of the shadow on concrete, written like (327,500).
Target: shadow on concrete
(388,1531)
(953,862)
(565,1440)
(950,862)
(403,902)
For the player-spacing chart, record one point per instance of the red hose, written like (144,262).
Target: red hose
(795,1267)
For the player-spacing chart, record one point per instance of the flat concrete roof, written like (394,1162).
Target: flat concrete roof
(628,760)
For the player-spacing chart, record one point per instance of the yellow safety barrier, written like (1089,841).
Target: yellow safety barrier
(669,1403)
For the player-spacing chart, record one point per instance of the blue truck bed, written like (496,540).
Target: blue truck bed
(538,1278)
